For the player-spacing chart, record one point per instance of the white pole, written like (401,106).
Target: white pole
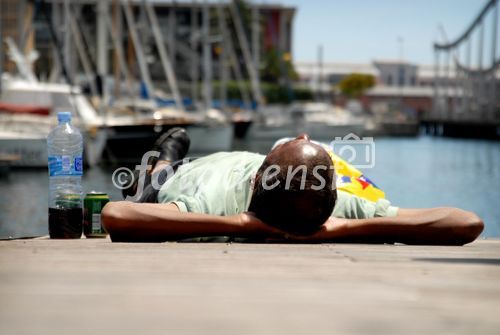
(1,48)
(67,43)
(232,57)
(194,54)
(143,67)
(102,39)
(437,68)
(207,58)
(246,52)
(493,98)
(165,59)
(224,74)
(320,73)
(172,24)
(75,32)
(480,84)
(56,69)
(256,42)
(121,56)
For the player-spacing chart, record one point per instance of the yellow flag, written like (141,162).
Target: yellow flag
(351,180)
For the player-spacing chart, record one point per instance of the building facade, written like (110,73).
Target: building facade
(267,28)
(398,85)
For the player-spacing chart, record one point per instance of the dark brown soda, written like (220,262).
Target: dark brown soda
(65,223)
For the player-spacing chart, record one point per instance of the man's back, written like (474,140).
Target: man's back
(218,184)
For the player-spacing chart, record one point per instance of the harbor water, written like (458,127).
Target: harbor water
(414,172)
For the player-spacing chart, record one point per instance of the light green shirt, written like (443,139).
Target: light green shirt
(221,184)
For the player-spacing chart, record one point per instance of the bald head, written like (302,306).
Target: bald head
(296,152)
(295,187)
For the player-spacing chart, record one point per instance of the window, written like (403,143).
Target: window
(401,78)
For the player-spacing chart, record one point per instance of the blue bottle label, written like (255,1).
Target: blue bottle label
(64,165)
(78,165)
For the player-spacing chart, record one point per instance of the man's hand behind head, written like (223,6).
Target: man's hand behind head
(252,225)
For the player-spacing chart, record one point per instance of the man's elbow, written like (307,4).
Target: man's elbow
(471,226)
(111,216)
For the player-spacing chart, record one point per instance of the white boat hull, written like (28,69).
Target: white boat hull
(32,152)
(314,130)
(318,120)
(24,134)
(330,132)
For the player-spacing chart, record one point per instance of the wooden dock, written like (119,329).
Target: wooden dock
(98,287)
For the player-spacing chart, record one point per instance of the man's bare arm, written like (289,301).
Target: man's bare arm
(433,226)
(131,222)
(140,222)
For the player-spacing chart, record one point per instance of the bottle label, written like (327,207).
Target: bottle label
(64,165)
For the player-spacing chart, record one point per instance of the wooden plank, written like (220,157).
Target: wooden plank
(94,286)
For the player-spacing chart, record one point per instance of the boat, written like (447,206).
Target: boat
(391,119)
(326,121)
(131,130)
(28,110)
(28,113)
(319,120)
(242,121)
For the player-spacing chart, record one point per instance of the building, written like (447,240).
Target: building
(399,84)
(267,27)
(386,73)
(396,73)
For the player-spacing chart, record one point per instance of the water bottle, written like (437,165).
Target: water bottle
(65,148)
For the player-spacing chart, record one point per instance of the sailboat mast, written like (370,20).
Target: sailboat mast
(102,43)
(1,49)
(207,57)
(245,49)
(143,66)
(164,57)
(224,73)
(233,59)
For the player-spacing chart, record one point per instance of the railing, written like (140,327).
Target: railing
(465,85)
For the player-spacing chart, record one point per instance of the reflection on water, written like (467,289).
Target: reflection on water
(421,172)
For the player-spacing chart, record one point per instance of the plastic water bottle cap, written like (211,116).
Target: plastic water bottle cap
(63,116)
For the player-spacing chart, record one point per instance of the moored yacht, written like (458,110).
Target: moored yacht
(27,114)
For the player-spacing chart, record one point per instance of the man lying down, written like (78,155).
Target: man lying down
(287,196)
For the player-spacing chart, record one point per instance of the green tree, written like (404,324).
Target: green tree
(270,71)
(272,64)
(355,84)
